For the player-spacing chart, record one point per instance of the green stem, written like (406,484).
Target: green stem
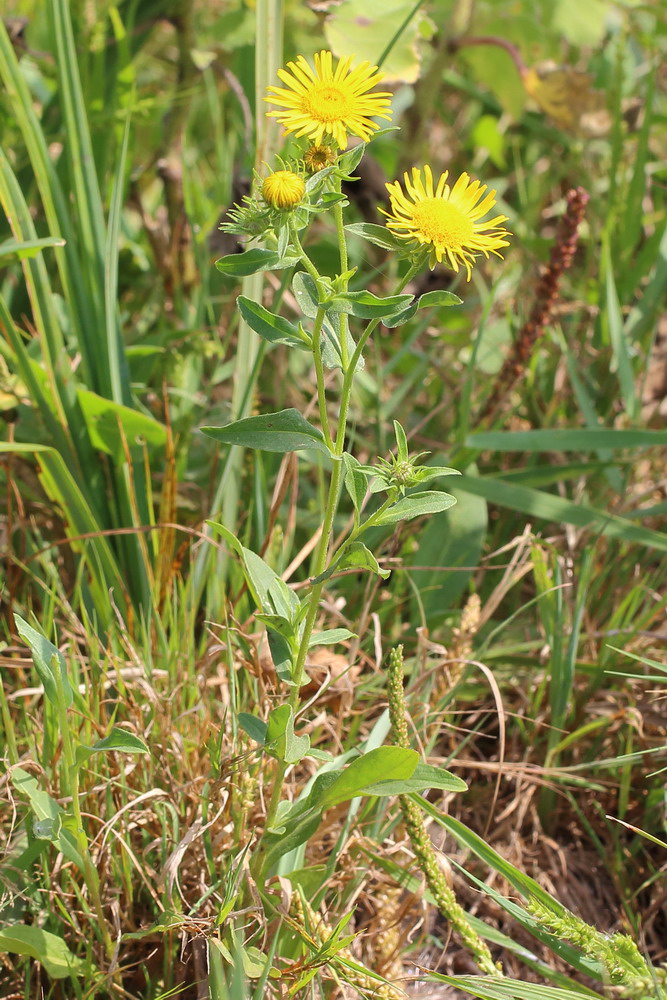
(349,372)
(316,338)
(90,873)
(344,264)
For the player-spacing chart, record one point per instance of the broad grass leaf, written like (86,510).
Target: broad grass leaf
(28,248)
(550,507)
(46,659)
(284,431)
(566,439)
(487,988)
(448,541)
(46,948)
(112,426)
(366,29)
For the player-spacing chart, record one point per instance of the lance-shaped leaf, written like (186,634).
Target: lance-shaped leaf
(284,431)
(366,305)
(381,764)
(416,505)
(240,265)
(424,776)
(380,236)
(118,739)
(269,592)
(330,636)
(437,298)
(272,328)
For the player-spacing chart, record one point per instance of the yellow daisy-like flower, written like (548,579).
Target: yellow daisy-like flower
(283,189)
(446,219)
(322,101)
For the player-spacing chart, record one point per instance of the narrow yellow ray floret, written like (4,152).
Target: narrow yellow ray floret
(326,102)
(446,219)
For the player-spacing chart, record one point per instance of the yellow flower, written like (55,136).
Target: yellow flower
(318,157)
(283,189)
(447,220)
(323,102)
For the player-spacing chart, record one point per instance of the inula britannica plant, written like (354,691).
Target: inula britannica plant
(429,223)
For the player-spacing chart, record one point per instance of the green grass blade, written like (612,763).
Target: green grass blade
(566,439)
(549,507)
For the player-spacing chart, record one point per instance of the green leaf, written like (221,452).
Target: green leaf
(272,328)
(445,544)
(358,556)
(29,248)
(331,352)
(550,507)
(424,776)
(46,658)
(383,763)
(254,727)
(281,741)
(366,305)
(371,29)
(118,740)
(269,592)
(380,236)
(49,814)
(46,948)
(305,293)
(240,265)
(347,162)
(284,431)
(488,988)
(113,426)
(438,298)
(565,439)
(330,636)
(355,481)
(416,505)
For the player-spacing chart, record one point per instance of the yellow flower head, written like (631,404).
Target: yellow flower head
(322,101)
(447,220)
(318,157)
(283,189)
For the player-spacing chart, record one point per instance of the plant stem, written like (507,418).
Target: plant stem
(342,249)
(90,874)
(349,372)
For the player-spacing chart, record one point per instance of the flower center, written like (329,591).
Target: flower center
(327,103)
(442,223)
